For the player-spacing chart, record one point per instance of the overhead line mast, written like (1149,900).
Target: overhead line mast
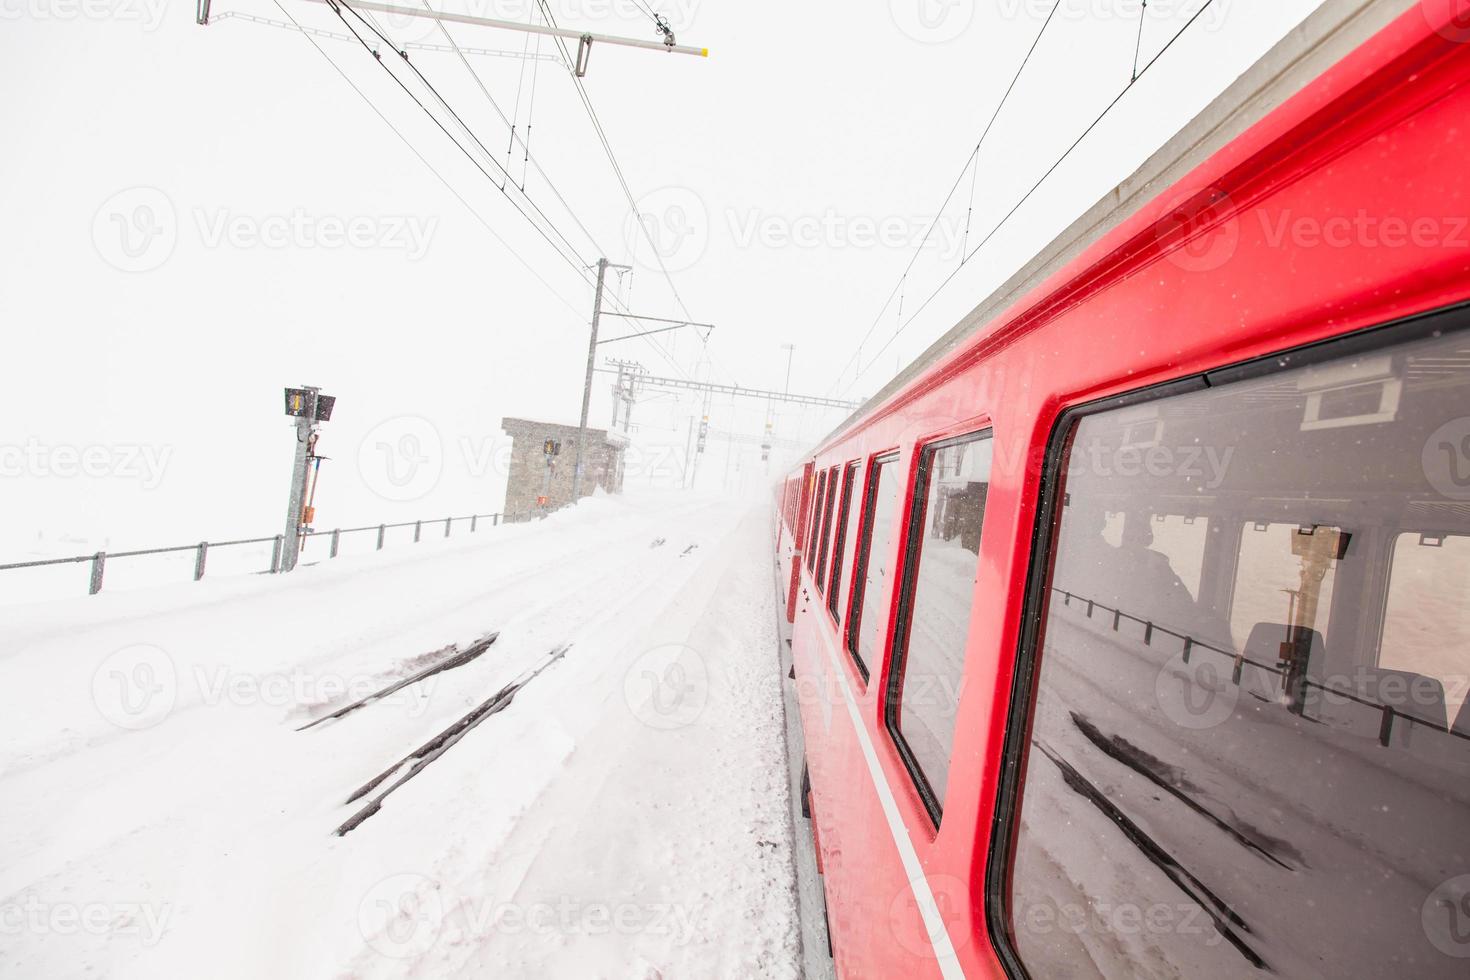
(585,39)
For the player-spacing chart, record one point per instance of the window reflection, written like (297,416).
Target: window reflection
(1247,753)
(943,555)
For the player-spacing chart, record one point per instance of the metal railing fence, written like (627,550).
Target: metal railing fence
(99,559)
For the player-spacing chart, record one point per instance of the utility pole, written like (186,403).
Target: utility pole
(602,266)
(625,390)
(310,408)
(688,455)
(699,443)
(790,349)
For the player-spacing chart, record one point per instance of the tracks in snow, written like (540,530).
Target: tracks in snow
(419,759)
(458,658)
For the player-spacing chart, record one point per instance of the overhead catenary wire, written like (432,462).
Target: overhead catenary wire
(1034,188)
(576,259)
(531,118)
(425,161)
(568,61)
(972,159)
(1138,44)
(524,141)
(447,184)
(579,266)
(617,169)
(299,28)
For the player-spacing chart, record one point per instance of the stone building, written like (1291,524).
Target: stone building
(531,478)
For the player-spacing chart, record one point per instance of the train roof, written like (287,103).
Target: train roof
(1324,38)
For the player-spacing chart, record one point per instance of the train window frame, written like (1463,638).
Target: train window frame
(1020,713)
(825,537)
(839,542)
(818,489)
(915,518)
(855,604)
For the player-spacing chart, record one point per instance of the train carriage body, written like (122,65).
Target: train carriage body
(1131,627)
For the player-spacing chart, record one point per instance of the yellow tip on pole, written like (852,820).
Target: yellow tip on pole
(704,52)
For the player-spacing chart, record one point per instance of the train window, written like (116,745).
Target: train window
(943,554)
(821,580)
(1267,580)
(1426,621)
(1240,746)
(842,543)
(872,575)
(811,545)
(1180,539)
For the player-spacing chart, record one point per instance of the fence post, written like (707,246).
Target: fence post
(494,520)
(336,537)
(199,560)
(381,529)
(446,526)
(474,519)
(418,526)
(276,554)
(98,561)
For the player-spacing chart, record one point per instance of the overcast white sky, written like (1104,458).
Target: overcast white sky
(175,198)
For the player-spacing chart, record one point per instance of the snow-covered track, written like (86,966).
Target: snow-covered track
(456,658)
(420,758)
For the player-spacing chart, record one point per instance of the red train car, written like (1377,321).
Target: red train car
(1131,625)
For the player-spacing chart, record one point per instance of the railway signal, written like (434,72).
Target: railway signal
(309,407)
(550,449)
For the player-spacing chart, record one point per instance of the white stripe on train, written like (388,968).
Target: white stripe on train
(944,954)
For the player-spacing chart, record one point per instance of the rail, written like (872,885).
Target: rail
(1389,713)
(99,559)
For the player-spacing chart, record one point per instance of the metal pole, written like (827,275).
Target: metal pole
(305,422)
(617,397)
(587,384)
(99,561)
(510,25)
(688,450)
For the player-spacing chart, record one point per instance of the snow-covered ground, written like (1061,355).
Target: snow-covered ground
(626,816)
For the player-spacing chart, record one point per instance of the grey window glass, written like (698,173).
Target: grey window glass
(1426,622)
(821,579)
(874,575)
(1248,752)
(844,544)
(817,503)
(943,555)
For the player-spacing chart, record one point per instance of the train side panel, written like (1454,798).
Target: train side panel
(1374,146)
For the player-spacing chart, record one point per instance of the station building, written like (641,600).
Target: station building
(540,481)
